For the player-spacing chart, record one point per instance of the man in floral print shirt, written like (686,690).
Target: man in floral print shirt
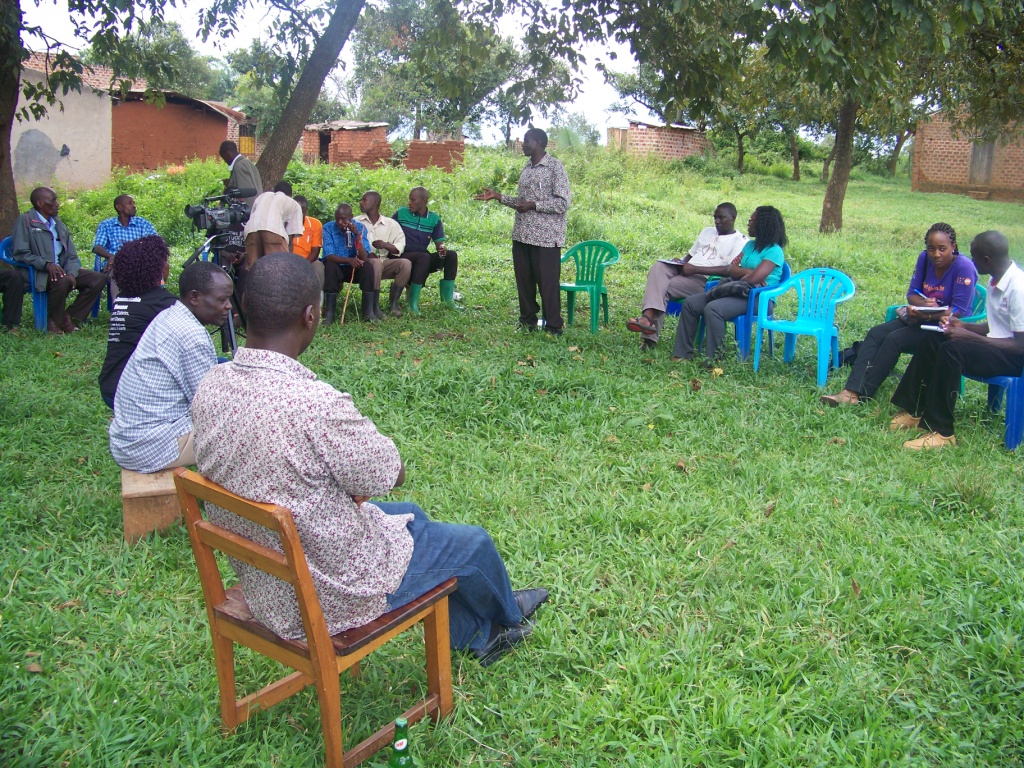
(297,442)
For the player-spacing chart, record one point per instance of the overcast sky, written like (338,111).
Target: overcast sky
(594,100)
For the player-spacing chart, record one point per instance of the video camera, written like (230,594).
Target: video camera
(231,211)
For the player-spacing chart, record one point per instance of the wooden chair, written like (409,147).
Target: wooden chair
(320,659)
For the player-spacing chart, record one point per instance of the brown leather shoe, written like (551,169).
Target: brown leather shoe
(68,326)
(52,327)
(930,441)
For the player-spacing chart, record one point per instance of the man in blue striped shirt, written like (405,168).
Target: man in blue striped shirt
(112,233)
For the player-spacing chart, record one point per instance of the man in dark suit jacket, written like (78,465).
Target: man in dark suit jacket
(42,241)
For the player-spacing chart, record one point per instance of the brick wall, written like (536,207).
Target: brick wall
(440,154)
(145,137)
(942,163)
(367,147)
(666,142)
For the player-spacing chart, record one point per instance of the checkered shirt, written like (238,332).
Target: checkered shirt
(151,406)
(111,235)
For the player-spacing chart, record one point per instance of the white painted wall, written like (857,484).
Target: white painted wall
(69,148)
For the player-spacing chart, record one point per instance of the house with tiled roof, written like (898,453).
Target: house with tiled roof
(99,129)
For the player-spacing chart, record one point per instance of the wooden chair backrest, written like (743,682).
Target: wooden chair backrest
(289,564)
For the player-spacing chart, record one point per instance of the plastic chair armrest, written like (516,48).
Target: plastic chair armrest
(770,294)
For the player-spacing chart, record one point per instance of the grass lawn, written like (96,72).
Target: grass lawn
(739,577)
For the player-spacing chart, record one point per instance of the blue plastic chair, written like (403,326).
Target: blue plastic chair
(39,305)
(591,257)
(98,264)
(1014,388)
(818,292)
(744,324)
(978,311)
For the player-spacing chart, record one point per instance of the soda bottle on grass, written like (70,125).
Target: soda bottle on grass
(400,755)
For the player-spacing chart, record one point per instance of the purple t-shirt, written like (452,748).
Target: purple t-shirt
(955,289)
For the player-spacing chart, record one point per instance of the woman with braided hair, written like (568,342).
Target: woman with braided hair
(943,277)
(140,269)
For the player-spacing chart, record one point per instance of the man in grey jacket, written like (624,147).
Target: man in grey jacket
(42,241)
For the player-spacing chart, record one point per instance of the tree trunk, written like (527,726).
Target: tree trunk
(739,152)
(894,158)
(835,192)
(281,146)
(417,128)
(10,76)
(795,151)
(828,162)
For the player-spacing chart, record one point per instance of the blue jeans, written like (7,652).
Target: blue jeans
(443,550)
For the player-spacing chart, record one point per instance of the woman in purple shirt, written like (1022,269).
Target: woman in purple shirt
(942,278)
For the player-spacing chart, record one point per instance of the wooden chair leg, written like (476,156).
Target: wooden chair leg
(328,694)
(439,657)
(224,658)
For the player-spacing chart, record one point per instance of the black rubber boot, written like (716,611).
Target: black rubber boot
(376,306)
(393,297)
(331,308)
(367,309)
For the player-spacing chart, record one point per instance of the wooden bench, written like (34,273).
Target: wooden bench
(149,503)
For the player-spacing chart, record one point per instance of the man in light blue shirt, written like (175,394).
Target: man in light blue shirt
(112,233)
(345,255)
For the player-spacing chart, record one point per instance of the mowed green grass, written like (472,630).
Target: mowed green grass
(739,577)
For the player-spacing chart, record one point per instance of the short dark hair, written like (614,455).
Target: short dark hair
(283,186)
(539,135)
(300,199)
(374,194)
(228,146)
(37,193)
(728,208)
(117,201)
(139,266)
(197,276)
(769,228)
(993,245)
(277,288)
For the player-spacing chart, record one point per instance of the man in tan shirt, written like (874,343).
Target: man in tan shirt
(275,221)
(388,241)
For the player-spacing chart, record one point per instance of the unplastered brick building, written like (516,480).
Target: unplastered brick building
(346,141)
(670,142)
(437,154)
(944,162)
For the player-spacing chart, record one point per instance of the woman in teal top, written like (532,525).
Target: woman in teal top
(759,264)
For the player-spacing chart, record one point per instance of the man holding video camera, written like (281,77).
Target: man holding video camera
(243,174)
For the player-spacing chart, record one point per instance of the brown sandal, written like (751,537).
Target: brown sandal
(834,401)
(640,324)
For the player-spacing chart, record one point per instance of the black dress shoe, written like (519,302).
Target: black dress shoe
(502,642)
(529,600)
(553,331)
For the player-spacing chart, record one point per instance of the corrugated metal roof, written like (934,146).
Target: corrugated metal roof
(344,125)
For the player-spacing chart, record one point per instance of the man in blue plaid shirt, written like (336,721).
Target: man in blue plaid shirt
(112,233)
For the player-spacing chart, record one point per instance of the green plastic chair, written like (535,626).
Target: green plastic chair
(978,312)
(591,258)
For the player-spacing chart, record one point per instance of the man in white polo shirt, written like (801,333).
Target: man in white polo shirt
(388,241)
(672,279)
(274,222)
(927,393)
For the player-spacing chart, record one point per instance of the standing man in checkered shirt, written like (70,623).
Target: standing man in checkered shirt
(152,426)
(112,233)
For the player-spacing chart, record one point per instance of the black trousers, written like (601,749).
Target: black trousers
(879,353)
(89,285)
(932,381)
(536,267)
(337,276)
(424,263)
(12,286)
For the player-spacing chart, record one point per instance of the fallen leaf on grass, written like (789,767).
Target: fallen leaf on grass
(612,439)
(647,486)
(574,349)
(769,509)
(578,358)
(856,587)
(837,441)
(68,604)
(519,372)
(58,354)
(682,465)
(542,391)
(696,384)
(492,382)
(405,333)
(369,395)
(611,408)
(378,352)
(32,654)
(399,353)
(729,544)
(716,372)
(35,668)
(417,361)
(81,459)
(835,503)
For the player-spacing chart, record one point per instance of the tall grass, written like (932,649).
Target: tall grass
(739,576)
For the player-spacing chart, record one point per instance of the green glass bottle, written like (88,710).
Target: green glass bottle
(400,755)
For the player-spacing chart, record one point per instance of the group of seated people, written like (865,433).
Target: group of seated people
(941,293)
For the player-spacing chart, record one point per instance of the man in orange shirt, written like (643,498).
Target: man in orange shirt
(308,244)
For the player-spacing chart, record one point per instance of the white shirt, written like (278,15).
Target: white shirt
(1004,304)
(275,212)
(388,230)
(714,250)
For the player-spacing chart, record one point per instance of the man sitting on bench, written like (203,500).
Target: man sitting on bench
(295,441)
